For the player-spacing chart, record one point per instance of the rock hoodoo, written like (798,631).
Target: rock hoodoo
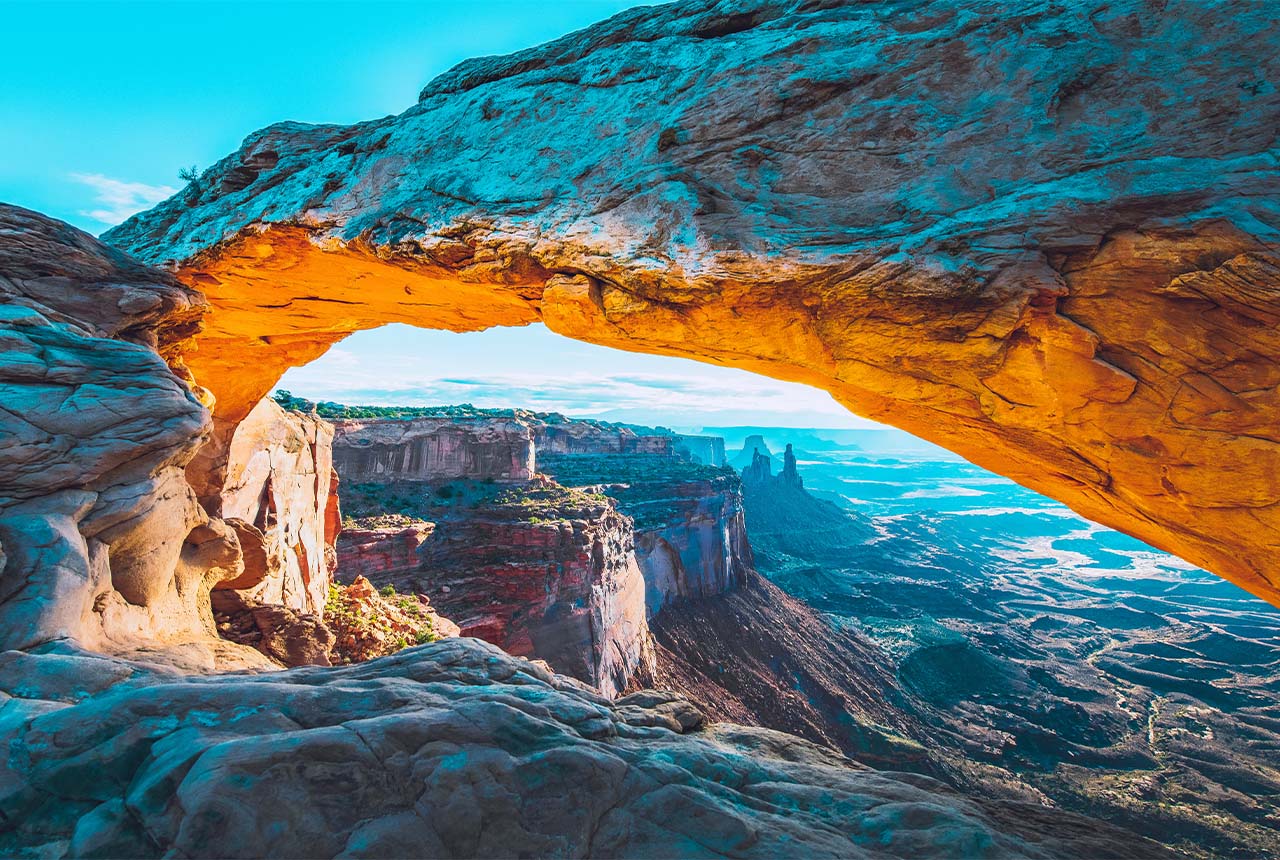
(1061,265)
(790,476)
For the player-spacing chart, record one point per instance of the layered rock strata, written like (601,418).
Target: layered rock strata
(384,550)
(1060,263)
(707,450)
(453,750)
(690,535)
(590,437)
(518,569)
(435,449)
(539,570)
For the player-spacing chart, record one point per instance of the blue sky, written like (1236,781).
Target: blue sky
(102,103)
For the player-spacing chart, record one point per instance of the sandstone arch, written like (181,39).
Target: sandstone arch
(1045,237)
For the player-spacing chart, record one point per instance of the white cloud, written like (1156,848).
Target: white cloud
(119,199)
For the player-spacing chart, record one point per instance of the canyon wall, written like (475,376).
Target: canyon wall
(434,449)
(1041,235)
(701,550)
(588,437)
(382,554)
(707,450)
(541,570)
(281,499)
(548,574)
(690,536)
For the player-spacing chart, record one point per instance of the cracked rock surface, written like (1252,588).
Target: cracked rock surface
(453,749)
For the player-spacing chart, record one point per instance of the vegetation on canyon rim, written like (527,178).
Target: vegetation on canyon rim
(369,624)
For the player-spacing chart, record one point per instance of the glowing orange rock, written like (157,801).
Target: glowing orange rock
(1066,272)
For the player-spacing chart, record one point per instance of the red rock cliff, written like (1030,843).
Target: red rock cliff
(536,569)
(691,539)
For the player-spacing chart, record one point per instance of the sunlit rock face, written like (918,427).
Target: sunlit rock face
(277,495)
(548,574)
(103,539)
(1041,235)
(435,449)
(690,534)
(536,568)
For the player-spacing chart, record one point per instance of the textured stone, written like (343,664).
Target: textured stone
(286,635)
(103,537)
(386,554)
(1043,235)
(453,750)
(590,437)
(277,495)
(707,450)
(434,449)
(538,569)
(549,574)
(756,655)
(702,551)
(690,536)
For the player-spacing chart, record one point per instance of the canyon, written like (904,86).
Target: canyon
(1044,236)
(609,525)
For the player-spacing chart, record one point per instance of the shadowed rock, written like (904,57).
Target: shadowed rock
(452,750)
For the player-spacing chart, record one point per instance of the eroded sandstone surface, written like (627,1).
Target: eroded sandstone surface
(104,540)
(453,750)
(279,495)
(1041,235)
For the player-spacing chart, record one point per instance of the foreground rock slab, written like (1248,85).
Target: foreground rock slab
(453,749)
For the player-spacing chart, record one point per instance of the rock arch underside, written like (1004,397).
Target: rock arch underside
(1044,236)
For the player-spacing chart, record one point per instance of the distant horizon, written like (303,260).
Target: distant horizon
(686,429)
(531,367)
